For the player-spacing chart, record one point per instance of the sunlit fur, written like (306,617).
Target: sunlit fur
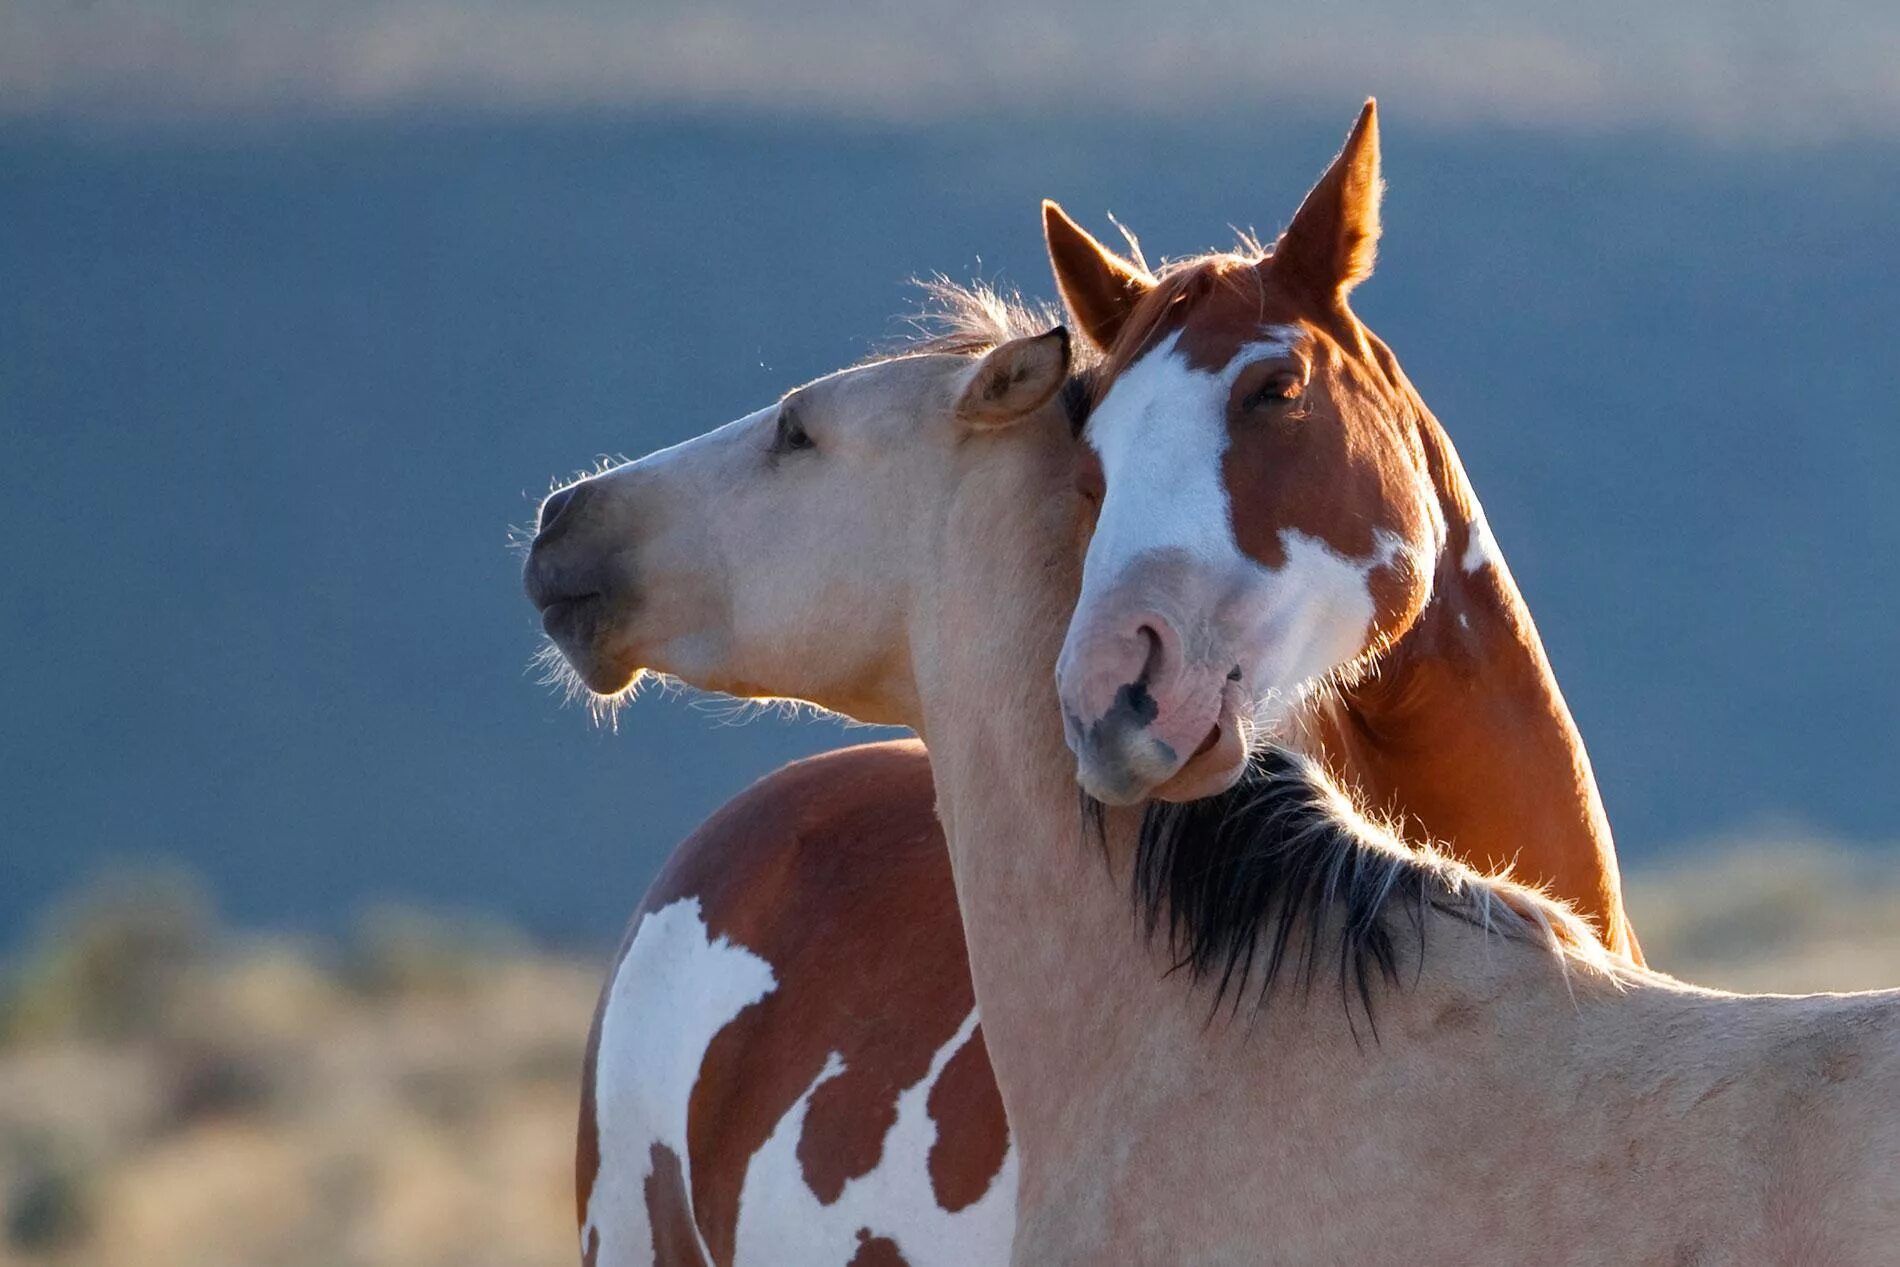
(973,318)
(724,710)
(556,673)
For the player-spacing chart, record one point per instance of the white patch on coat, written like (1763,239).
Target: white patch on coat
(782,1222)
(1481,547)
(1310,616)
(672,992)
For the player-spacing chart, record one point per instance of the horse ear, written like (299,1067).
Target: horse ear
(1098,286)
(1014,379)
(1335,234)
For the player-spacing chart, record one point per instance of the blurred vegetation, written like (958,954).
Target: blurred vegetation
(177,1094)
(1780,913)
(174,1093)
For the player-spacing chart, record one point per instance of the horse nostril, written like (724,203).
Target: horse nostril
(1153,638)
(1137,703)
(557,504)
(1134,698)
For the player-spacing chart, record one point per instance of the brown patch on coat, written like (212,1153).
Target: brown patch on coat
(876,1251)
(587,1137)
(1690,1254)
(675,1239)
(1721,1084)
(1839,1064)
(1457,1016)
(972,1136)
(845,1128)
(1836,1048)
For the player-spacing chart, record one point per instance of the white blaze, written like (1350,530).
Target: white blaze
(1160,434)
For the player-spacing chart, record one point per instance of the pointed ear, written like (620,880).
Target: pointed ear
(1330,245)
(1098,286)
(1014,380)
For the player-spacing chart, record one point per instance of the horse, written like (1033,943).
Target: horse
(1266,487)
(1509,1086)
(887,1029)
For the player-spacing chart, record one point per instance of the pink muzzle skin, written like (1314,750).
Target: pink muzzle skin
(1147,714)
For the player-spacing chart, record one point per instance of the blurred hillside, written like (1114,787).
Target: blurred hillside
(176,1094)
(1772,915)
(1770,70)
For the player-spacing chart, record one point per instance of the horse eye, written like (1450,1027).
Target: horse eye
(791,437)
(1278,390)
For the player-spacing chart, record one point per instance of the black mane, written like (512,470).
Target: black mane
(1275,876)
(1078,398)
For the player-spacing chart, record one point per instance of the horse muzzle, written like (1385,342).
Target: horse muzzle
(1144,722)
(577,585)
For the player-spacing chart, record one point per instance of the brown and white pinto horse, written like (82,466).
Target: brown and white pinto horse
(1269,486)
(1522,1081)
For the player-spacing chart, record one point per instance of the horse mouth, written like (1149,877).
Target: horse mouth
(581,628)
(1207,744)
(1216,764)
(574,616)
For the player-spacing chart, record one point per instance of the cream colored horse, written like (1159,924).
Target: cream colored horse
(900,542)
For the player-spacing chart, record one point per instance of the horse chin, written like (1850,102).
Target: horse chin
(607,679)
(603,671)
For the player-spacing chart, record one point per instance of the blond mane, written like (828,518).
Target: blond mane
(969,319)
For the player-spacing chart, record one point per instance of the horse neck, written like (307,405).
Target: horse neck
(1063,979)
(1463,730)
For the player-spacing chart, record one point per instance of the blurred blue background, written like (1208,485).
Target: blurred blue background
(301,306)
